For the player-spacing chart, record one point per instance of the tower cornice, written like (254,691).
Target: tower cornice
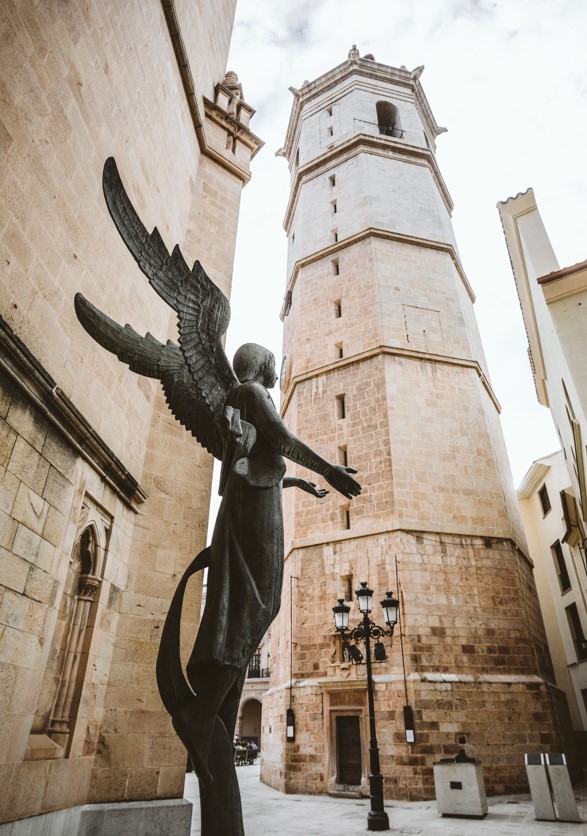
(371,232)
(365,143)
(437,529)
(394,351)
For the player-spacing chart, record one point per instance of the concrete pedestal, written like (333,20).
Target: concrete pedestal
(539,787)
(460,789)
(170,817)
(562,790)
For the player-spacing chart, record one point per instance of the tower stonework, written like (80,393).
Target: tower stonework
(384,369)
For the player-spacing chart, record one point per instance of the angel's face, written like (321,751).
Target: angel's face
(270,375)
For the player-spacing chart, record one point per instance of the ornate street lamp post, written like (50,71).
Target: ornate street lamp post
(377,818)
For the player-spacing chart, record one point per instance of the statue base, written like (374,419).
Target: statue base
(141,818)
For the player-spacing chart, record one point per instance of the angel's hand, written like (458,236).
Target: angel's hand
(304,485)
(311,488)
(340,479)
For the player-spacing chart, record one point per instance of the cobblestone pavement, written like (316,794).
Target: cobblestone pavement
(271,813)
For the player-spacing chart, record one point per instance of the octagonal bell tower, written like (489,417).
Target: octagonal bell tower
(384,369)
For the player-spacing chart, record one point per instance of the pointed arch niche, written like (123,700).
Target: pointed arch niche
(58,729)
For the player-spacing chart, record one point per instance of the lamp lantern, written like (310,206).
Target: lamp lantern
(341,615)
(390,606)
(379,652)
(365,598)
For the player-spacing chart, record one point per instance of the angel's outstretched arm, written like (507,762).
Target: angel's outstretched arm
(304,485)
(268,422)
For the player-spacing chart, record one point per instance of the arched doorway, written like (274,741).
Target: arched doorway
(251,721)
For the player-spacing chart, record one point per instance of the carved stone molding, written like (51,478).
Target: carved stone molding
(41,389)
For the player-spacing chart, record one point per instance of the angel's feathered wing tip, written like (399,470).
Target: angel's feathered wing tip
(110,169)
(81,305)
(92,319)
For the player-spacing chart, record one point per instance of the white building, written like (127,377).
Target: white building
(553,495)
(554,306)
(561,576)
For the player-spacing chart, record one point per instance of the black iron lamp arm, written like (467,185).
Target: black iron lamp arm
(366,628)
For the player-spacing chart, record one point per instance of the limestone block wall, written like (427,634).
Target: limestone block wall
(80,92)
(359,205)
(103,495)
(423,412)
(46,493)
(447,718)
(379,292)
(476,664)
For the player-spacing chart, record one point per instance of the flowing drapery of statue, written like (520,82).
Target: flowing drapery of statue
(230,412)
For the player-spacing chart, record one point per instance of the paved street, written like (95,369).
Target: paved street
(270,813)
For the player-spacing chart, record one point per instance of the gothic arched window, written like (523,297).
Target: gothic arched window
(80,589)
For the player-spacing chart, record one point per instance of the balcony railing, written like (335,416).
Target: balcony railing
(256,672)
(389,130)
(384,130)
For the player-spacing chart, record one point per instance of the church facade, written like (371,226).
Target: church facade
(103,496)
(384,371)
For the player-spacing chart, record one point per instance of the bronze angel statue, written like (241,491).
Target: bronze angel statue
(230,412)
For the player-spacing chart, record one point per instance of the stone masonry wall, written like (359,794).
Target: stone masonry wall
(80,83)
(475,663)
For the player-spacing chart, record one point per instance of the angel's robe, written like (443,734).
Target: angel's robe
(246,554)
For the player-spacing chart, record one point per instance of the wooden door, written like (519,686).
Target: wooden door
(348,750)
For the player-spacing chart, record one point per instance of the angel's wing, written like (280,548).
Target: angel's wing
(147,356)
(202,309)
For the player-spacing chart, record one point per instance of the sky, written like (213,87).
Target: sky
(509,82)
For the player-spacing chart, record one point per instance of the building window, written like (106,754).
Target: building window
(340,407)
(576,629)
(560,566)
(254,671)
(332,180)
(334,207)
(293,238)
(287,302)
(343,459)
(329,111)
(388,119)
(337,309)
(335,235)
(297,158)
(544,500)
(330,130)
(347,582)
(339,351)
(335,267)
(81,585)
(345,517)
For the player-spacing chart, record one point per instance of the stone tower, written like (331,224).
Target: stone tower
(384,369)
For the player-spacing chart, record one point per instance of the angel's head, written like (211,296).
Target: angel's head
(252,362)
